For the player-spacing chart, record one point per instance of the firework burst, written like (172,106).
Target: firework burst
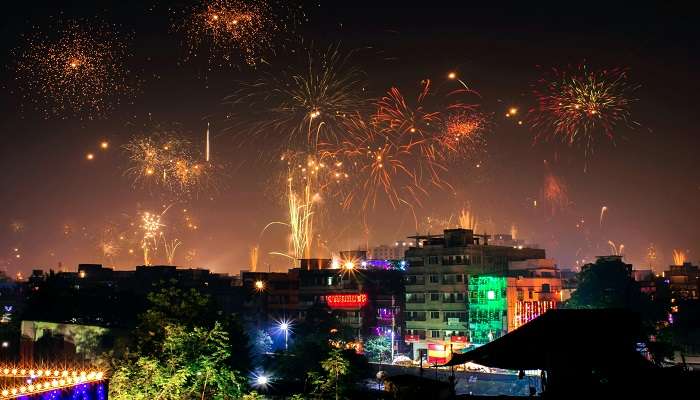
(77,68)
(228,31)
(168,160)
(555,193)
(576,106)
(301,106)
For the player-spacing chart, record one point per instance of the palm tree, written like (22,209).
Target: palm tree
(336,365)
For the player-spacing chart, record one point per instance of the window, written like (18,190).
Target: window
(435,334)
(434,296)
(415,315)
(435,315)
(459,278)
(452,297)
(433,260)
(415,297)
(449,279)
(461,316)
(529,294)
(329,281)
(545,288)
(434,278)
(520,294)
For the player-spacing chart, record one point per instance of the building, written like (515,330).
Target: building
(533,287)
(456,291)
(366,295)
(270,297)
(390,252)
(684,281)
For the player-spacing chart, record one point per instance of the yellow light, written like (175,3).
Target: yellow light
(5,392)
(413,130)
(349,265)
(104,144)
(89,156)
(82,275)
(512,111)
(259,285)
(451,75)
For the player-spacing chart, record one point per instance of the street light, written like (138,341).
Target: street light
(259,286)
(261,380)
(285,326)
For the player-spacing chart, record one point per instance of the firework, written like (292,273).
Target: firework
(616,250)
(170,247)
(151,227)
(302,105)
(651,255)
(254,258)
(679,257)
(301,213)
(467,220)
(575,106)
(75,68)
(555,193)
(169,161)
(463,134)
(602,214)
(228,31)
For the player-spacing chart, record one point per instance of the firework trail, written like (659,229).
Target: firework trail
(576,106)
(467,220)
(602,214)
(616,250)
(679,257)
(151,227)
(74,68)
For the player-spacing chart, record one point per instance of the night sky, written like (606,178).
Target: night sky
(56,203)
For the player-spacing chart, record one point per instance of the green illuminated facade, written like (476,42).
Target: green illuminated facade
(487,307)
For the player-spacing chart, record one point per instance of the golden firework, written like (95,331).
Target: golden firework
(75,68)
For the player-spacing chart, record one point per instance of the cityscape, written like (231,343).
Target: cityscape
(271,199)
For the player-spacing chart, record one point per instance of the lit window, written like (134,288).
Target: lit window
(491,295)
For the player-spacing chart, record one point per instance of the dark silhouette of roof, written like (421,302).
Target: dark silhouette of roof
(561,338)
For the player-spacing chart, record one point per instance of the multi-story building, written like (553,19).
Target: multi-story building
(684,281)
(366,295)
(390,252)
(456,291)
(533,287)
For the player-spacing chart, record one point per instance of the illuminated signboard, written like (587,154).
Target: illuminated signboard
(412,338)
(346,300)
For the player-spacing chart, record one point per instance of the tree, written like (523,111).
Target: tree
(378,348)
(609,284)
(193,365)
(336,366)
(263,342)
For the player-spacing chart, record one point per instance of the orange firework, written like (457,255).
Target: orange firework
(227,31)
(462,135)
(555,193)
(74,68)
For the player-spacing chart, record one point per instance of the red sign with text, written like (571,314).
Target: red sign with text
(346,300)
(458,339)
(412,338)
